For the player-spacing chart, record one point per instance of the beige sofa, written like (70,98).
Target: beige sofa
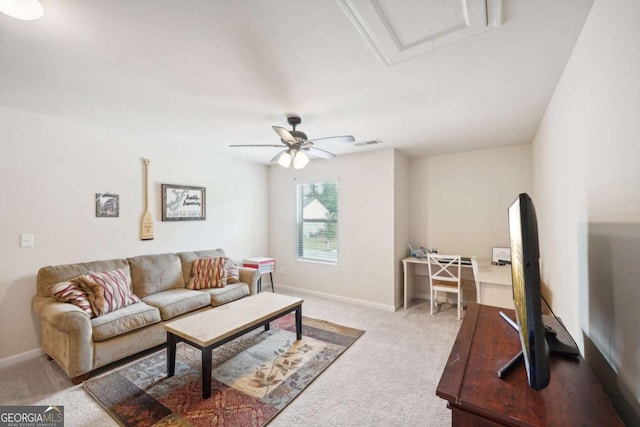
(80,344)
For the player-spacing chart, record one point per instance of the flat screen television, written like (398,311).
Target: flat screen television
(527,297)
(537,339)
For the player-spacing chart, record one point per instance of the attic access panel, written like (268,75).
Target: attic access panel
(400,30)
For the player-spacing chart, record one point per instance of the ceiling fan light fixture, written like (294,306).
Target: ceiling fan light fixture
(295,144)
(285,159)
(300,160)
(26,10)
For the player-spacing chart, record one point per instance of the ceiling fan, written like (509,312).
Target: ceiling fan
(296,145)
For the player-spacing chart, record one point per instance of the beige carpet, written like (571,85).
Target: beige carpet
(388,377)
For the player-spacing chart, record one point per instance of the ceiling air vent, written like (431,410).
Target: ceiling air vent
(363,143)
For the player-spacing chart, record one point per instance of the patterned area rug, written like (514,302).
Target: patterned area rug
(253,378)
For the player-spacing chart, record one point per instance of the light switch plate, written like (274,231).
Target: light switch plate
(26,240)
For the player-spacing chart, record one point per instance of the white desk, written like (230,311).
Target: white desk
(493,282)
(495,285)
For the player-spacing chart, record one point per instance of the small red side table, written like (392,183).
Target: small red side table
(264,265)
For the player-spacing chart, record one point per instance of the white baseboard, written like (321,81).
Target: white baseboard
(17,358)
(334,297)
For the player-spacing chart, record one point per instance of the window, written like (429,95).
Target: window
(317,221)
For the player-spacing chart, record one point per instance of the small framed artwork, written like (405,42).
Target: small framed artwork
(107,205)
(183,203)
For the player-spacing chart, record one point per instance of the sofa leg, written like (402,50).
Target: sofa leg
(77,380)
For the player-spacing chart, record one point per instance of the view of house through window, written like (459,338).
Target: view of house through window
(317,221)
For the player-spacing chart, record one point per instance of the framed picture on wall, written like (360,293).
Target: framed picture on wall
(183,203)
(107,205)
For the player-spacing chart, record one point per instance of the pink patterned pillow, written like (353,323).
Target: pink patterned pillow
(207,273)
(71,291)
(108,290)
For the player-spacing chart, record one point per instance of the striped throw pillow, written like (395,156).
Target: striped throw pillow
(233,273)
(108,290)
(207,273)
(71,291)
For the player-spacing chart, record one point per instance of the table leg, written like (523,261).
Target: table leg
(406,271)
(299,322)
(206,372)
(171,354)
(266,326)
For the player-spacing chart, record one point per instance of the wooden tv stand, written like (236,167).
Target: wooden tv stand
(477,397)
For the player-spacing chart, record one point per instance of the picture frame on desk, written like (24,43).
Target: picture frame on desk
(500,254)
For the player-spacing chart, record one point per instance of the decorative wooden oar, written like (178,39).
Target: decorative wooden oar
(146,228)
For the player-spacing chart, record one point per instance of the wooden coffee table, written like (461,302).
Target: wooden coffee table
(212,328)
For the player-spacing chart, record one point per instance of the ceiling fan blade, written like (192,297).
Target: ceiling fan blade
(284,135)
(256,145)
(318,152)
(277,156)
(345,138)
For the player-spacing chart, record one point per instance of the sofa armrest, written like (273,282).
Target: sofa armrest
(250,276)
(66,333)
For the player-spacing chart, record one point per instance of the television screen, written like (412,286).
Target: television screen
(525,273)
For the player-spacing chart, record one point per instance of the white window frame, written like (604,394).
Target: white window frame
(300,224)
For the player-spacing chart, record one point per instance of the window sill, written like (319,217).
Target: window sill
(315,261)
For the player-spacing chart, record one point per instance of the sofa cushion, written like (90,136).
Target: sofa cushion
(207,273)
(227,294)
(108,290)
(124,320)
(71,291)
(187,258)
(155,273)
(175,302)
(50,275)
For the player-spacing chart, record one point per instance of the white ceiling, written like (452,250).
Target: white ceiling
(204,72)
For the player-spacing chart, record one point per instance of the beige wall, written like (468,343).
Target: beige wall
(49,173)
(388,201)
(587,194)
(366,265)
(459,201)
(401,222)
